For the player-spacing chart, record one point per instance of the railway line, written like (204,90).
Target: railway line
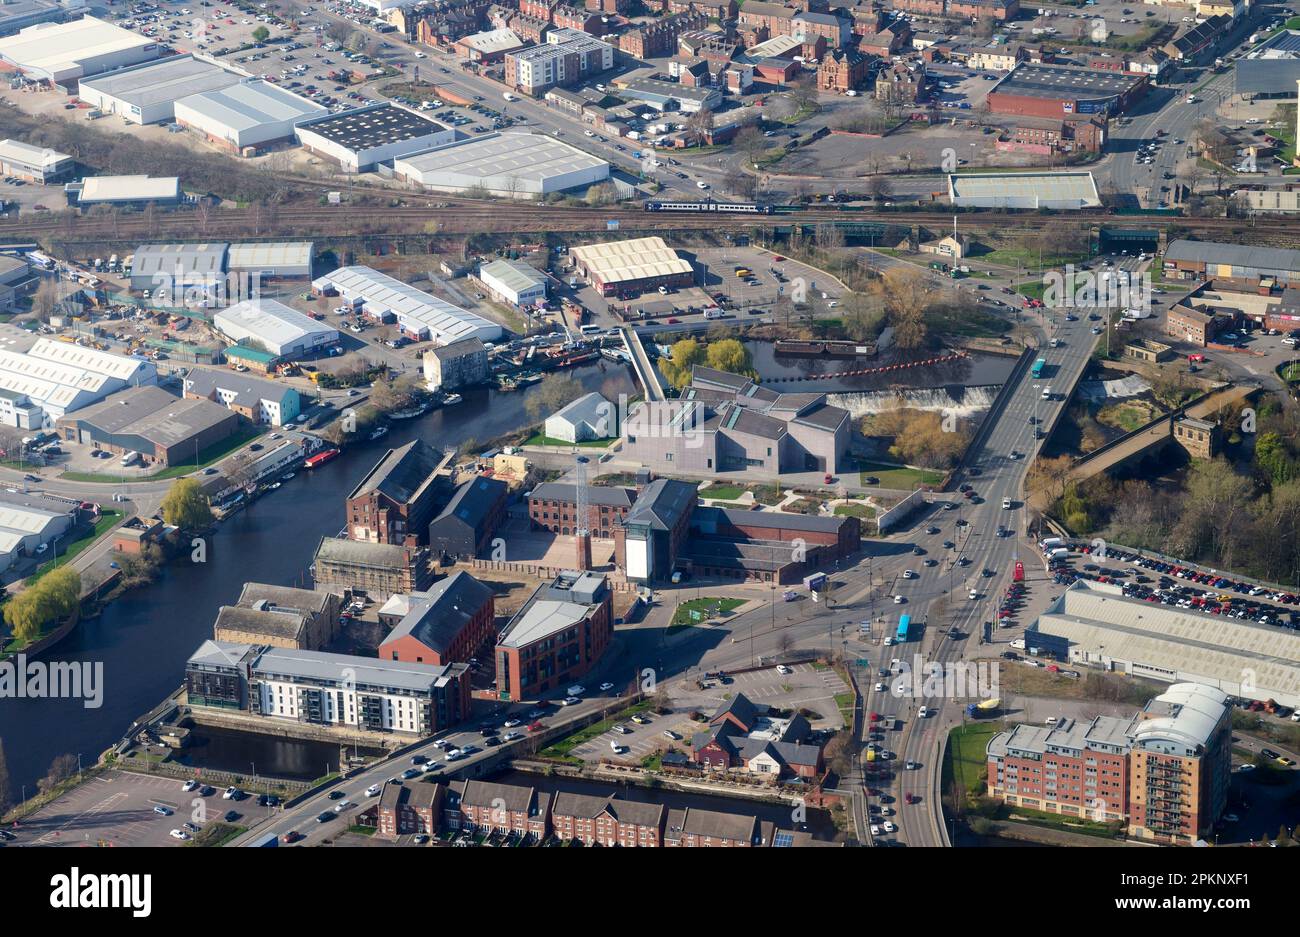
(467,216)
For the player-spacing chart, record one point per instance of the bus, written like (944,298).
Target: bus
(1039,365)
(904,626)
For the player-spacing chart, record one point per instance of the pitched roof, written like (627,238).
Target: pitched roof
(437,615)
(662,503)
(403,473)
(713,823)
(596,494)
(473,500)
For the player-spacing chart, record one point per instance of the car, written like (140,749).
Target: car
(911,765)
(923,712)
(373,790)
(326,816)
(343,805)
(411,773)
(641,719)
(231,793)
(909,574)
(606,687)
(875,830)
(880,687)
(570,701)
(163,811)
(179,834)
(671,735)
(511,723)
(189,785)
(783,669)
(899,600)
(337,795)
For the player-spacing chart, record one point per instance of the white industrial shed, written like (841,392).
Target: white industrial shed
(519,165)
(589,417)
(251,113)
(64,52)
(146,94)
(25,525)
(1094,623)
(514,282)
(58,377)
(418,314)
(272,260)
(1054,190)
(277,328)
(357,139)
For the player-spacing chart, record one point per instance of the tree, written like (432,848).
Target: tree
(677,366)
(46,299)
(185,506)
(880,187)
(554,392)
(261,34)
(729,355)
(400,393)
(750,142)
(700,124)
(53,596)
(907,296)
(62,768)
(862,315)
(803,94)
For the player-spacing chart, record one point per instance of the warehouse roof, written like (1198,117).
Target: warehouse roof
(1266,76)
(63,375)
(775,47)
(668,89)
(366,127)
(402,473)
(247,391)
(256,256)
(1010,187)
(636,259)
(153,414)
(513,274)
(492,41)
(250,104)
(1175,640)
(21,152)
(438,615)
(269,321)
(342,550)
(179,260)
(382,293)
(526,156)
(1238,255)
(1064,81)
(129,188)
(54,48)
(160,82)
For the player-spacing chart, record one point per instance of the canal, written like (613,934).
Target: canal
(144,638)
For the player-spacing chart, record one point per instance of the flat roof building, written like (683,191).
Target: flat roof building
(58,377)
(514,282)
(64,52)
(418,314)
(271,259)
(1208,260)
(559,634)
(172,267)
(1064,91)
(250,113)
(146,94)
(270,324)
(18,14)
(29,520)
(659,94)
(634,265)
(128,192)
(519,165)
(34,163)
(163,428)
(360,138)
(1053,190)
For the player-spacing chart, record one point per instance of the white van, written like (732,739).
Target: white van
(1018,644)
(131,458)
(1006,504)
(1057,553)
(713,313)
(1048,543)
(591,330)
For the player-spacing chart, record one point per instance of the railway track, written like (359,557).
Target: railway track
(466,216)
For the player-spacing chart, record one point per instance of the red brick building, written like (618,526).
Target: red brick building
(583,20)
(449,622)
(558,635)
(404,810)
(396,500)
(658,39)
(842,70)
(540,9)
(693,827)
(607,821)
(1000,10)
(553,506)
(485,807)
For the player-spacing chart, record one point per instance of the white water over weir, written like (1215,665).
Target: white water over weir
(962,401)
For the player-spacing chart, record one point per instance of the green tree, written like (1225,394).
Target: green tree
(729,355)
(261,34)
(1272,459)
(26,614)
(862,316)
(677,366)
(185,506)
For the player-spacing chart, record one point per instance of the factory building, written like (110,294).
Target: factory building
(174,267)
(271,260)
(247,114)
(1064,91)
(418,314)
(1053,190)
(163,428)
(65,52)
(269,402)
(275,327)
(518,165)
(361,138)
(57,378)
(34,163)
(128,193)
(513,282)
(19,14)
(633,266)
(147,94)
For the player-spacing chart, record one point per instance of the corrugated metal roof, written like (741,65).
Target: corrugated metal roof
(1264,259)
(413,307)
(636,259)
(250,104)
(167,80)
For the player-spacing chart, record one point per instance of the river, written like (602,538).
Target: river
(144,637)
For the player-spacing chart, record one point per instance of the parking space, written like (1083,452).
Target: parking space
(118,809)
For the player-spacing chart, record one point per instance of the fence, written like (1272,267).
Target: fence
(617,581)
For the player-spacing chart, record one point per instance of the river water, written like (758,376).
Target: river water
(144,638)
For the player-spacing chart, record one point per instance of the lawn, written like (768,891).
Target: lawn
(844,701)
(864,511)
(538,439)
(965,757)
(106,521)
(1034,289)
(1029,258)
(724,492)
(212,454)
(706,607)
(1128,415)
(899,477)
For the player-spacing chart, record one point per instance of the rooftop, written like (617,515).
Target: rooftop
(129,188)
(554,607)
(403,473)
(1077,188)
(161,82)
(635,259)
(1264,259)
(368,127)
(436,616)
(57,48)
(526,156)
(361,553)
(31,155)
(513,274)
(382,293)
(153,414)
(1064,81)
(268,320)
(251,103)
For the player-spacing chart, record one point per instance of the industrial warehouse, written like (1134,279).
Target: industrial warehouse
(248,114)
(1253,266)
(633,266)
(419,315)
(147,94)
(129,193)
(361,138)
(53,378)
(273,326)
(64,52)
(178,266)
(519,165)
(163,428)
(1096,624)
(1054,190)
(1062,91)
(34,163)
